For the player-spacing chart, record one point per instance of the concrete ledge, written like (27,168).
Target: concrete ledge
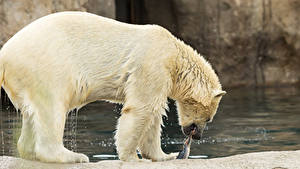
(262,160)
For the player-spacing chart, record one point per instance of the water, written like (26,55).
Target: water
(248,120)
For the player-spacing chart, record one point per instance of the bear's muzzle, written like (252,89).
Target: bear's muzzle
(198,128)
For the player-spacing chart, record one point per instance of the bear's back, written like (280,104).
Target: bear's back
(75,33)
(79,43)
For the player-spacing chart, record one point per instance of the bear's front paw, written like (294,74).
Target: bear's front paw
(172,156)
(128,157)
(166,157)
(81,158)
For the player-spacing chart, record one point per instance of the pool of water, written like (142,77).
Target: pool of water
(248,120)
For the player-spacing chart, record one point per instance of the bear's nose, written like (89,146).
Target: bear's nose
(188,129)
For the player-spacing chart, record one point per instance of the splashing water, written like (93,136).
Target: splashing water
(70,139)
(2,136)
(247,121)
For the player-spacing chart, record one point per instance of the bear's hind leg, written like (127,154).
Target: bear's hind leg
(43,130)
(26,141)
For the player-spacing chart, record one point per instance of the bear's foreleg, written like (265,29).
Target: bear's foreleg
(131,125)
(139,125)
(150,145)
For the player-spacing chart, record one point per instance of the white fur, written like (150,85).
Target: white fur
(66,60)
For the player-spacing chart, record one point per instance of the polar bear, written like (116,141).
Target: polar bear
(66,60)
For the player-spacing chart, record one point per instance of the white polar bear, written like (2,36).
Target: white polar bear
(66,60)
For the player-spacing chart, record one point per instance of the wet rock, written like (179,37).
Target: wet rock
(248,42)
(251,43)
(263,160)
(14,15)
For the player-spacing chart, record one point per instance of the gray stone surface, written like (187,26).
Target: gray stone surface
(14,15)
(262,160)
(248,42)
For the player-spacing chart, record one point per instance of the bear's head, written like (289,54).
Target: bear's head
(195,113)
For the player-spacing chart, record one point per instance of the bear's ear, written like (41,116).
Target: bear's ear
(208,99)
(219,93)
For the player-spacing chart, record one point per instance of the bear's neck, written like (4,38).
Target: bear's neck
(191,73)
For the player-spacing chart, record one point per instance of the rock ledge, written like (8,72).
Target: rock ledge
(263,160)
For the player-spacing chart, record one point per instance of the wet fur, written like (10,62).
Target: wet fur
(67,60)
